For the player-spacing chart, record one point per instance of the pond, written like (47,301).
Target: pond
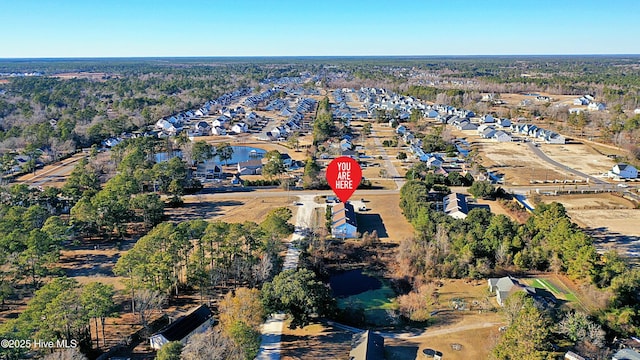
(352,282)
(240,153)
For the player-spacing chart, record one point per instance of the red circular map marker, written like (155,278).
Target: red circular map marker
(344,175)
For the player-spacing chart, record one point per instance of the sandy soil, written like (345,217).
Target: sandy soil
(228,208)
(385,216)
(580,157)
(612,229)
(609,219)
(83,75)
(475,344)
(590,201)
(315,342)
(53,175)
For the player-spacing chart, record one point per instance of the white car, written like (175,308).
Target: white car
(623,185)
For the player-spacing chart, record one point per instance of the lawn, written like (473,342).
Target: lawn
(559,291)
(379,299)
(373,303)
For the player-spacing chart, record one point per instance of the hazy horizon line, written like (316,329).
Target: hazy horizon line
(311,56)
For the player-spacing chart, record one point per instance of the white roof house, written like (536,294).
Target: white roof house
(623,171)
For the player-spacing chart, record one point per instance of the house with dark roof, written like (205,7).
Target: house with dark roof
(195,322)
(455,205)
(250,167)
(623,171)
(367,346)
(343,221)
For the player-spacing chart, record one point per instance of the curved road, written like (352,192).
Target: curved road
(592,179)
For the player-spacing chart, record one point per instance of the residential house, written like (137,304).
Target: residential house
(202,127)
(555,138)
(217,130)
(367,346)
(626,354)
(197,321)
(505,123)
(570,355)
(455,205)
(343,221)
(503,287)
(345,144)
(502,136)
(434,161)
(408,137)
(432,114)
(623,171)
(487,119)
(581,101)
(250,167)
(401,130)
(487,132)
(594,106)
(239,128)
(251,119)
(350,153)
(287,161)
(166,126)
(466,125)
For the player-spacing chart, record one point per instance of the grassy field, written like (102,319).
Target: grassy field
(557,288)
(374,303)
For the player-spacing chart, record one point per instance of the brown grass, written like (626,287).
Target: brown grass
(315,341)
(229,208)
(385,207)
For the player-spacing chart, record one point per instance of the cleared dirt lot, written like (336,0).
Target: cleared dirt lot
(229,208)
(315,341)
(611,220)
(590,201)
(516,162)
(384,216)
(580,157)
(54,175)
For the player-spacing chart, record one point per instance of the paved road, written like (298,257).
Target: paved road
(53,173)
(272,328)
(592,179)
(427,333)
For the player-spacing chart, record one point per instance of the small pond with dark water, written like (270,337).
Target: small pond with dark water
(352,282)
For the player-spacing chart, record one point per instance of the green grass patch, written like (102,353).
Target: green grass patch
(546,283)
(380,299)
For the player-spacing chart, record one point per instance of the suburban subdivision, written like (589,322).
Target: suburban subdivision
(179,208)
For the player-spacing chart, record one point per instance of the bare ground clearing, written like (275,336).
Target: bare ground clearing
(385,216)
(316,341)
(228,208)
(611,220)
(580,157)
(517,163)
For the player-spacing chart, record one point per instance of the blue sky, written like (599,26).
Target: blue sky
(114,28)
